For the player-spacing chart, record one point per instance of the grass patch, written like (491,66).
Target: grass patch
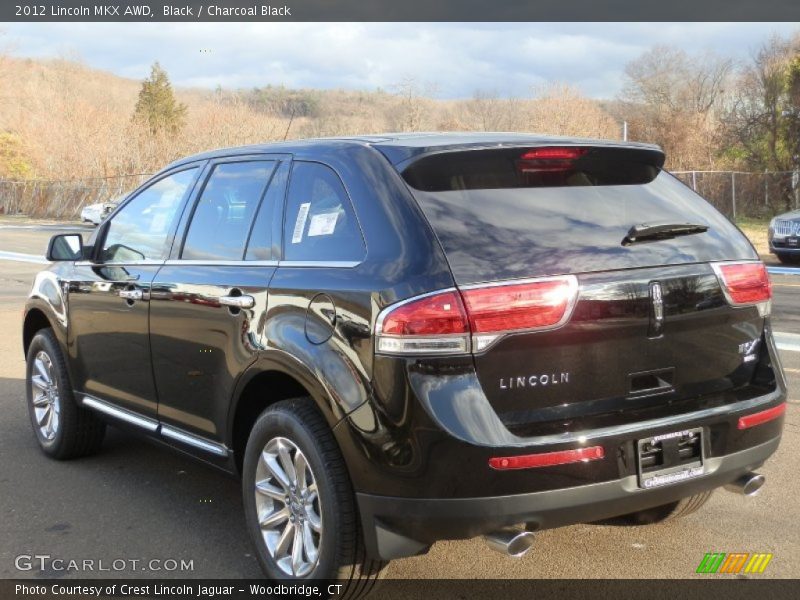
(756,230)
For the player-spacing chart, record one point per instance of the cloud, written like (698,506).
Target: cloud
(459,58)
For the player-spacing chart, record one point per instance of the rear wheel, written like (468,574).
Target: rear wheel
(665,512)
(63,429)
(299,503)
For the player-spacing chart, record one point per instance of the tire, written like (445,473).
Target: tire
(665,512)
(288,429)
(63,429)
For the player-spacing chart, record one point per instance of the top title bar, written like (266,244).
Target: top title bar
(400,10)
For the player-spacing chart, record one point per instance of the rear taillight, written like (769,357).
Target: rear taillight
(441,323)
(746,284)
(531,305)
(432,324)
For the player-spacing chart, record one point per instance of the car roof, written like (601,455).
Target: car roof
(401,147)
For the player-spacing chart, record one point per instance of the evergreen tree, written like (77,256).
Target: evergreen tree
(157,106)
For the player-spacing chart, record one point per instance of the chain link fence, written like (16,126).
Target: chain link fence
(739,194)
(62,199)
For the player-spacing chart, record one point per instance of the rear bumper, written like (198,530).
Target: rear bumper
(398,527)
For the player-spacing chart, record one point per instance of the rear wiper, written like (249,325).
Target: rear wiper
(648,232)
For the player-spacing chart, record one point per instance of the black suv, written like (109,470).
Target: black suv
(403,339)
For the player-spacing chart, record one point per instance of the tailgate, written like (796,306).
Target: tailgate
(651,328)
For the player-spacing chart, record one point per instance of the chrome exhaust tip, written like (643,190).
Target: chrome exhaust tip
(748,484)
(509,541)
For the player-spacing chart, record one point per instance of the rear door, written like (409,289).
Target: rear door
(209,299)
(648,330)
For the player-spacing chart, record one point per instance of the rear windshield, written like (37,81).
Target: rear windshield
(501,216)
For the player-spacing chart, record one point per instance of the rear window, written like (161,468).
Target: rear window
(506,214)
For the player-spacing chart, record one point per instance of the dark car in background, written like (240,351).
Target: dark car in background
(401,339)
(784,237)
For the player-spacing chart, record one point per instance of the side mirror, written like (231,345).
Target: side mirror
(65,247)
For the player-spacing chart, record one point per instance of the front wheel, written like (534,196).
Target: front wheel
(299,503)
(63,429)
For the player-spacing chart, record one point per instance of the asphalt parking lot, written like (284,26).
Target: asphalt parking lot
(136,501)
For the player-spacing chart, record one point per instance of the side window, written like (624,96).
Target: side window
(224,212)
(140,230)
(320,222)
(260,245)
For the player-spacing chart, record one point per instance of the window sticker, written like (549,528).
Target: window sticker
(323,224)
(300,223)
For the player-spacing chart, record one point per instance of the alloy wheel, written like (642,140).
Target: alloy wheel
(288,507)
(45,396)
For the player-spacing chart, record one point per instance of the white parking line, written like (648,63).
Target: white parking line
(789,342)
(20,257)
(783,270)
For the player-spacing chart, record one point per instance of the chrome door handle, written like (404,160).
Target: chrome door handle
(131,294)
(238,301)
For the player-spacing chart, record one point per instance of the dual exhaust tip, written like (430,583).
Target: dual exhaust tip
(510,541)
(516,543)
(748,484)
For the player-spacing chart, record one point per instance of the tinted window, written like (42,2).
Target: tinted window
(260,246)
(320,223)
(141,229)
(224,212)
(509,232)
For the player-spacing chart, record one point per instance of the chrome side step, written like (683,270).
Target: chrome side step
(122,414)
(153,426)
(179,435)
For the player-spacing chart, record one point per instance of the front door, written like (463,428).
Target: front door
(108,298)
(208,302)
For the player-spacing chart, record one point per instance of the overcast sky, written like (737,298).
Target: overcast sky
(509,59)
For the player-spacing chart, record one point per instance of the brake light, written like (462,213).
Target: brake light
(761,417)
(547,459)
(553,153)
(436,323)
(746,284)
(537,304)
(452,322)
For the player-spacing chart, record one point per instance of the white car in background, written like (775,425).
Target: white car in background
(95,213)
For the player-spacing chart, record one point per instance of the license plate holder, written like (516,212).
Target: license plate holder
(670,458)
(792,241)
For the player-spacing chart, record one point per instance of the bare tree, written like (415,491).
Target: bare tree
(674,99)
(414,99)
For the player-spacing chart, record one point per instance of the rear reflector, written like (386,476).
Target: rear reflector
(547,459)
(762,417)
(746,284)
(532,305)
